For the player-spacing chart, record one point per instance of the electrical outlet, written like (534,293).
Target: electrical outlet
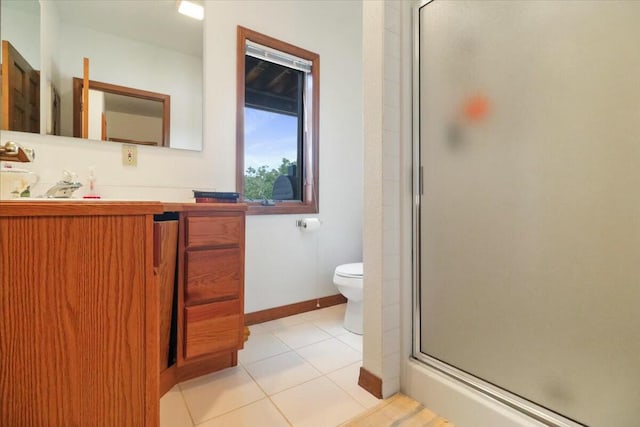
(129,155)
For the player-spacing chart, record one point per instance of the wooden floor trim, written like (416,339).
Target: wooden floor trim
(396,411)
(168,378)
(291,309)
(370,382)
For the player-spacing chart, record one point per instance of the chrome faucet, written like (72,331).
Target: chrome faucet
(65,188)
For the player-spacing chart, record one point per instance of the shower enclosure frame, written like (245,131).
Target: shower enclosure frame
(500,395)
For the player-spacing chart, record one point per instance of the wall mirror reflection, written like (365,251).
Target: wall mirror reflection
(121,114)
(143,45)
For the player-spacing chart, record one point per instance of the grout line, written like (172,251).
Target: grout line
(359,350)
(322,374)
(347,391)
(238,407)
(186,405)
(278,338)
(244,365)
(265,359)
(274,336)
(290,387)
(230,411)
(331,371)
(313,343)
(280,411)
(268,396)
(364,409)
(344,331)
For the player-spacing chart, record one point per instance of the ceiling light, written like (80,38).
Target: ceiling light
(191,9)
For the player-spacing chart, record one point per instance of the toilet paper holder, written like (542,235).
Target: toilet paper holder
(308,223)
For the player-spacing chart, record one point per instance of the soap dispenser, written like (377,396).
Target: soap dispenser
(92,194)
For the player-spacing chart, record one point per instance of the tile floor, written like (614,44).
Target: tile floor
(301,370)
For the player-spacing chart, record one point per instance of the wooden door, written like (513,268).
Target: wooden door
(20,92)
(53,128)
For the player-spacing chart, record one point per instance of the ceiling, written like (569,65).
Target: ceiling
(31,7)
(132,105)
(271,87)
(156,22)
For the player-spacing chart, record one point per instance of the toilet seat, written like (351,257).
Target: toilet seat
(354,270)
(348,278)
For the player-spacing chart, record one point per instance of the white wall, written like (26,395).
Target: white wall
(382,222)
(133,126)
(283,265)
(22,29)
(49,73)
(373,37)
(96,100)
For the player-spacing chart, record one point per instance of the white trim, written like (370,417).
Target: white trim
(265,53)
(455,401)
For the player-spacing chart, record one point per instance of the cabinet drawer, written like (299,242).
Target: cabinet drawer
(212,328)
(212,274)
(214,230)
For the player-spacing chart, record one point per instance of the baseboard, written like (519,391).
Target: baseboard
(370,382)
(168,379)
(291,309)
(206,365)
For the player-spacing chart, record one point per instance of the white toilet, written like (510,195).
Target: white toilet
(348,280)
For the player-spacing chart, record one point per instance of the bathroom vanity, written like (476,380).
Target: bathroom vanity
(80,307)
(209,290)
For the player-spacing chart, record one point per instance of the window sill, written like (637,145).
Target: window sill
(280,208)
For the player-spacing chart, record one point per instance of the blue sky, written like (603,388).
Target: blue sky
(268,137)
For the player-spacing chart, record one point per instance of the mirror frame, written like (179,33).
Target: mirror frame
(125,91)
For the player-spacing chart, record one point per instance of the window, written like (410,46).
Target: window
(277,125)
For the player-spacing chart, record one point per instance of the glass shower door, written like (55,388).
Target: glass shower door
(529,218)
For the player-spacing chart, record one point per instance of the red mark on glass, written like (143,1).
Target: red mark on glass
(476,108)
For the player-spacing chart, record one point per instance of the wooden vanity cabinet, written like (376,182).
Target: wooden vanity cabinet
(79,307)
(210,288)
(79,341)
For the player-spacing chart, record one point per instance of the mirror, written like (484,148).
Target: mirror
(20,53)
(139,45)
